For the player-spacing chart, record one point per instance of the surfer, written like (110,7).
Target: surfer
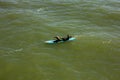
(58,38)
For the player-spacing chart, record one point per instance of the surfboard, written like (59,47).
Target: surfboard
(52,41)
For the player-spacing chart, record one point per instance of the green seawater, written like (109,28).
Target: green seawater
(26,24)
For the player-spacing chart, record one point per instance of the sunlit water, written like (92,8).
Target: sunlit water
(26,24)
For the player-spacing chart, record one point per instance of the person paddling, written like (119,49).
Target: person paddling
(58,38)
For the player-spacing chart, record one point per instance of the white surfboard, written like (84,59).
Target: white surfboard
(52,41)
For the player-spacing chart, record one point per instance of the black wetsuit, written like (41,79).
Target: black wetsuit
(62,39)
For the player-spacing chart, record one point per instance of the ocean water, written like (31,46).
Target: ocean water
(26,24)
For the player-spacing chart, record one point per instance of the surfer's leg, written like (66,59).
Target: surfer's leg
(58,38)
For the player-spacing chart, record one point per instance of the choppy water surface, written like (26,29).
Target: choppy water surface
(26,24)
